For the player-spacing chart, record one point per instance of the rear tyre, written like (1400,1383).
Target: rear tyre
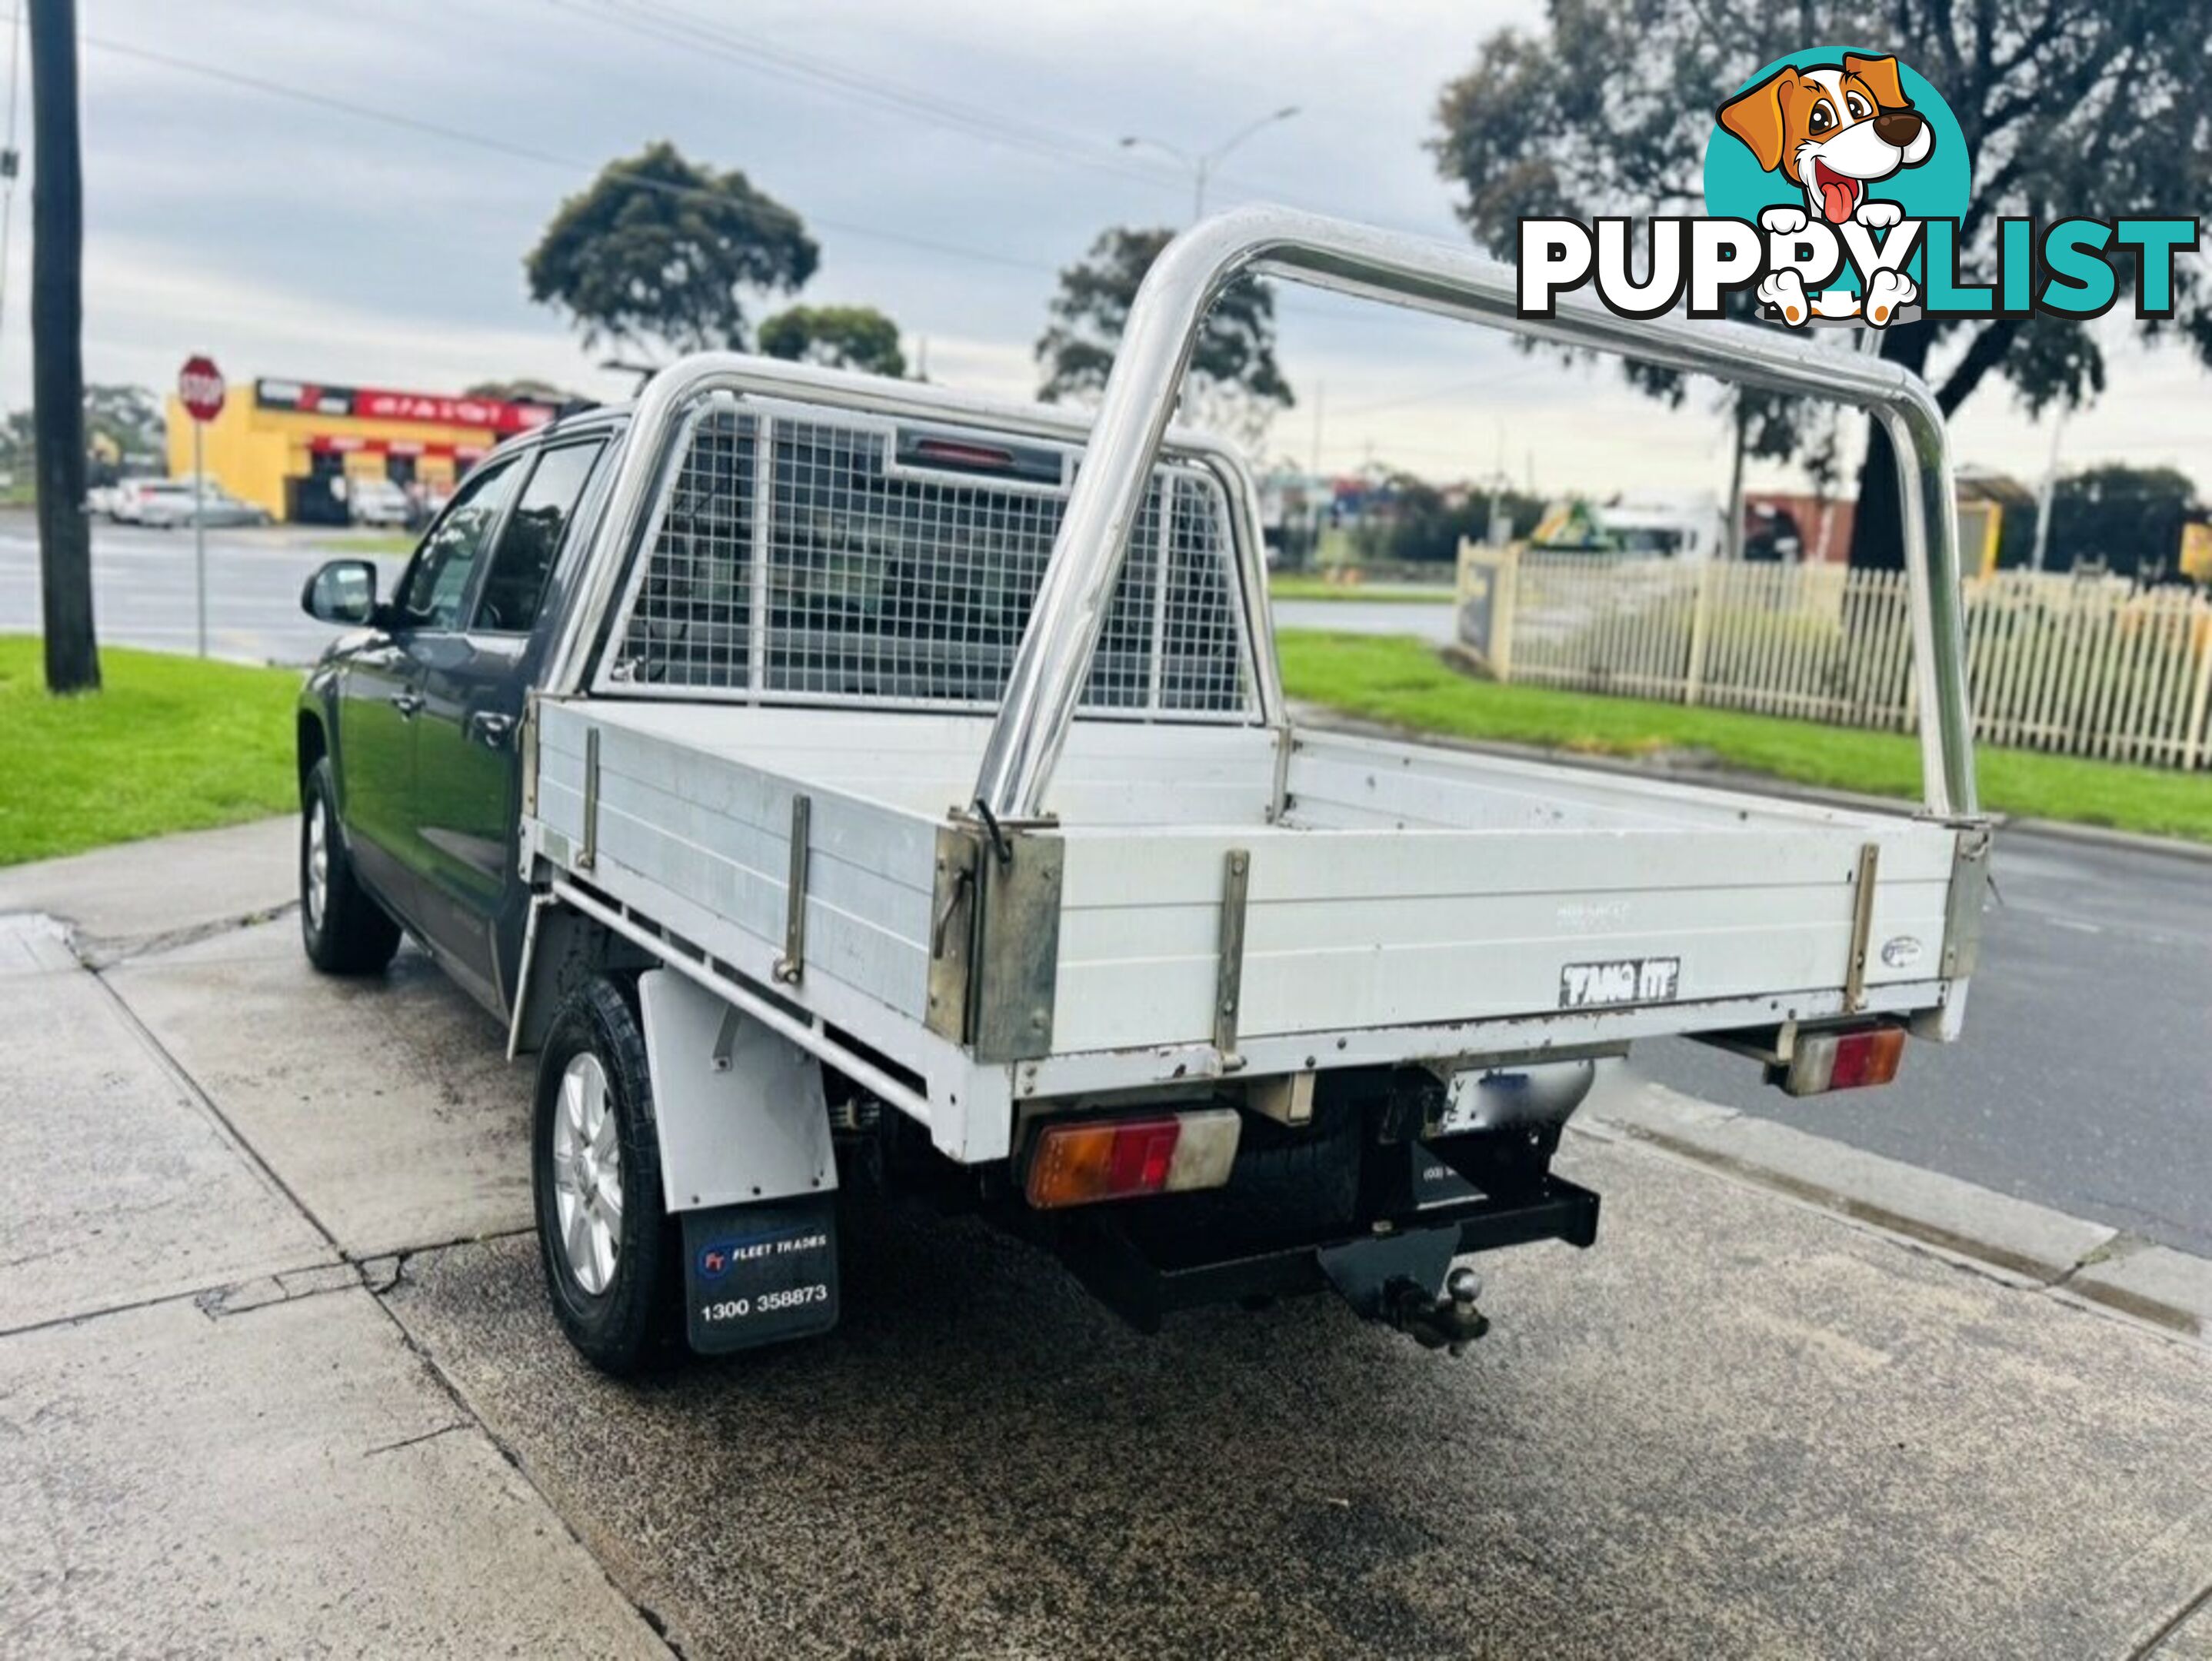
(612,1259)
(345,930)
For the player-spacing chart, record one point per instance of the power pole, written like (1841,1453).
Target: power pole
(58,351)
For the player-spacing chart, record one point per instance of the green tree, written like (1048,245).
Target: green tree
(2127,519)
(526,389)
(1235,382)
(842,337)
(1418,523)
(18,439)
(124,427)
(129,417)
(2068,106)
(659,252)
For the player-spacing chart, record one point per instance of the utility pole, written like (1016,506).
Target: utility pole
(58,351)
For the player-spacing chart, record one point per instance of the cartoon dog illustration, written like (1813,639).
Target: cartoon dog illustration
(1833,131)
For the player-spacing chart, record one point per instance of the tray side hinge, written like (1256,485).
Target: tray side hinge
(1855,969)
(1229,969)
(588,855)
(792,964)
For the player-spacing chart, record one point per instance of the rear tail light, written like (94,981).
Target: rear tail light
(1820,1062)
(1079,1164)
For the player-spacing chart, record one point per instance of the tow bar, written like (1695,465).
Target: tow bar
(1407,1281)
(1398,1272)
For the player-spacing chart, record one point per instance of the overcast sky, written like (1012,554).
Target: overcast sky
(949,157)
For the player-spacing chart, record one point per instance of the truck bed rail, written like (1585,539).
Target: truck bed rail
(1054,661)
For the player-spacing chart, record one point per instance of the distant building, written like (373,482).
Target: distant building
(1797,530)
(294,446)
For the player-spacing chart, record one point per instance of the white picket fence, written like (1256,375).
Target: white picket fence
(2082,666)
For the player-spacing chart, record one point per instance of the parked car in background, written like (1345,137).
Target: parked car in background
(125,502)
(168,506)
(381,502)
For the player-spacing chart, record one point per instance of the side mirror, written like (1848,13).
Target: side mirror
(343,591)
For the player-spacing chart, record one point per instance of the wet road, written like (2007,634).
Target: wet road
(144,588)
(1431,622)
(2084,1080)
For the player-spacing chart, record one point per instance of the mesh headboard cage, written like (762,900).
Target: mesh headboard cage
(809,558)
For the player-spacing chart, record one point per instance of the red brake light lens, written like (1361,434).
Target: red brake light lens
(1083,1162)
(980,457)
(1821,1062)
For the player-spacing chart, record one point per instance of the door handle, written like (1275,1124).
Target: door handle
(407,703)
(491,729)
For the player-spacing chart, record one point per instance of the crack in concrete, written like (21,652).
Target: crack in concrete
(2174,1623)
(267,1291)
(416,1442)
(98,953)
(2112,1250)
(196,1294)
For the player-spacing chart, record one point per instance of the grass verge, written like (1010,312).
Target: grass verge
(169,744)
(1294,587)
(1388,678)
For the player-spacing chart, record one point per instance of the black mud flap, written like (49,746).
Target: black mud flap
(761,1273)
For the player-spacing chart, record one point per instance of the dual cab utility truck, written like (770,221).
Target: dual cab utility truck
(838,781)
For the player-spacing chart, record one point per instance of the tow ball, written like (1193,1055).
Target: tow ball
(1448,1323)
(1407,1281)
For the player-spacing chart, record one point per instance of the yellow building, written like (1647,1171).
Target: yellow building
(296,448)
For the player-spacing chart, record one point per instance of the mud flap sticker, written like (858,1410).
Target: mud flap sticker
(760,1273)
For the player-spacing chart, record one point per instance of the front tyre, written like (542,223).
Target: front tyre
(611,1258)
(343,929)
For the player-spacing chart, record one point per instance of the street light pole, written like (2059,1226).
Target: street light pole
(1202,165)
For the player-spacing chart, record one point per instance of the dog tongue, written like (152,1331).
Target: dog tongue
(1836,199)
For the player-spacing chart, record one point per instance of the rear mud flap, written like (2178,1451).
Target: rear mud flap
(759,1274)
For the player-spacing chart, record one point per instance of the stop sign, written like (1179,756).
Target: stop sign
(200,388)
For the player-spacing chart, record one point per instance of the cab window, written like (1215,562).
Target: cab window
(524,559)
(437,586)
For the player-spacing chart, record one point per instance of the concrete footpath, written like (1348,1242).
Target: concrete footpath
(217,1440)
(276,1377)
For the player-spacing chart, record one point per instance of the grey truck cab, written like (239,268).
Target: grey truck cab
(845,784)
